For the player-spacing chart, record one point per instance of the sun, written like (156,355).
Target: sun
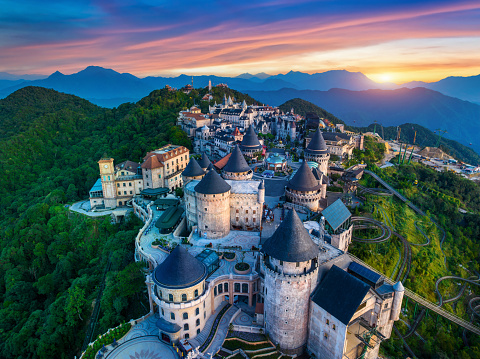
(385,77)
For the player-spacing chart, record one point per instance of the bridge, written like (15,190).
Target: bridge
(425,302)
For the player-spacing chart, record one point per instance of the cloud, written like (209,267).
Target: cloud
(149,38)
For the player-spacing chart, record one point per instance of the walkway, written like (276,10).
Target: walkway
(426,303)
(222,331)
(200,338)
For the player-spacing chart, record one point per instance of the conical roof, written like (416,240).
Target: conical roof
(204,161)
(210,167)
(179,270)
(291,241)
(212,183)
(193,169)
(304,180)
(261,185)
(317,143)
(250,140)
(398,287)
(236,163)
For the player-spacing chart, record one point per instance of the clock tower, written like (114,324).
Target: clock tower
(107,175)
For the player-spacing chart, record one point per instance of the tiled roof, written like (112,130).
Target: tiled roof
(151,162)
(340,294)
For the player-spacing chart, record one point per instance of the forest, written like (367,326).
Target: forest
(52,261)
(458,255)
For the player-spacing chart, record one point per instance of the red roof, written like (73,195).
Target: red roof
(222,162)
(151,162)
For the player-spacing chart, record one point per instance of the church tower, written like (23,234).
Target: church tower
(107,175)
(290,263)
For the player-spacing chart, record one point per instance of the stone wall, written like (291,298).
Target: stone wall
(213,214)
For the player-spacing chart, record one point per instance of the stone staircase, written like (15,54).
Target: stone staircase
(222,330)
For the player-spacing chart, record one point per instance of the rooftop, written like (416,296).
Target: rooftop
(340,294)
(291,242)
(304,180)
(193,169)
(317,144)
(250,140)
(212,183)
(336,214)
(236,163)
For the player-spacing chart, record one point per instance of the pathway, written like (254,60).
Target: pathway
(222,331)
(200,338)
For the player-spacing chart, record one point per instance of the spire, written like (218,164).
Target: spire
(212,183)
(317,143)
(193,169)
(304,180)
(204,161)
(236,163)
(250,140)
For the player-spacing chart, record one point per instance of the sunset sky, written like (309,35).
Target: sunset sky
(395,41)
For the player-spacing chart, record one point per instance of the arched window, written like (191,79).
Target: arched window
(185,315)
(197,323)
(197,311)
(160,293)
(170,297)
(172,316)
(185,326)
(184,297)
(244,288)
(187,336)
(198,331)
(196,293)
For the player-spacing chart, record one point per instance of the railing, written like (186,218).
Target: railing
(138,248)
(425,302)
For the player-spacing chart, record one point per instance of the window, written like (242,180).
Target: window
(118,184)
(187,336)
(246,220)
(215,291)
(124,192)
(130,192)
(184,297)
(109,178)
(146,175)
(185,326)
(172,316)
(225,287)
(237,211)
(333,326)
(253,219)
(163,313)
(119,193)
(195,294)
(206,209)
(298,264)
(327,322)
(244,288)
(159,176)
(204,315)
(170,297)
(237,287)
(198,331)
(160,294)
(203,304)
(124,184)
(185,315)
(325,336)
(197,311)
(281,263)
(130,184)
(386,305)
(197,322)
(246,211)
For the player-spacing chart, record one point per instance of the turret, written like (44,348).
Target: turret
(290,262)
(397,301)
(261,192)
(317,151)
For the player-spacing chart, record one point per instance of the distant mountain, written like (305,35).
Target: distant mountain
(422,106)
(259,76)
(12,77)
(465,88)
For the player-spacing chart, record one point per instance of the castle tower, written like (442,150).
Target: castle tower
(261,192)
(317,151)
(397,301)
(213,206)
(204,162)
(107,175)
(237,168)
(290,261)
(250,143)
(192,171)
(304,188)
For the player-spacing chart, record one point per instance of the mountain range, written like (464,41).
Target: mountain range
(419,105)
(106,87)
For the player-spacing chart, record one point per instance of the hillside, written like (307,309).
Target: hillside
(52,261)
(392,108)
(425,137)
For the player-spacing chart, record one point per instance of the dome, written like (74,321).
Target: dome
(398,287)
(179,270)
(276,159)
(212,183)
(291,241)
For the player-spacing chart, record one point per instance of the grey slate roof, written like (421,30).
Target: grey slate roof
(261,185)
(193,169)
(250,140)
(179,270)
(291,241)
(340,294)
(166,326)
(317,144)
(204,161)
(304,180)
(210,167)
(236,163)
(212,183)
(336,214)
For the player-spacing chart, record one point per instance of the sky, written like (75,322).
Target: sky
(394,41)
